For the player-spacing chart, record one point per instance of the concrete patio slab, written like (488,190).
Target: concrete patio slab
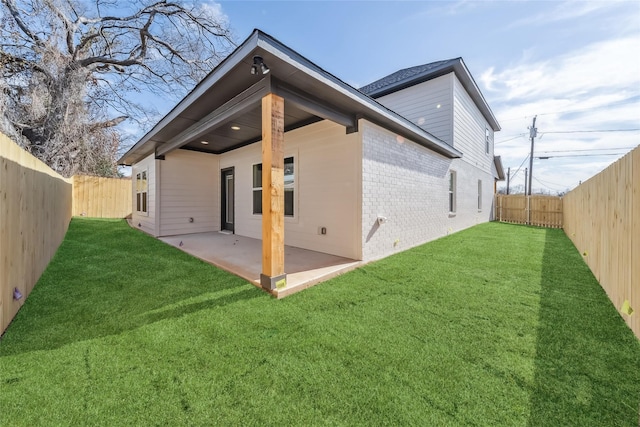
(242,256)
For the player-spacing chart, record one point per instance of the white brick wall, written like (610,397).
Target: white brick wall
(408,184)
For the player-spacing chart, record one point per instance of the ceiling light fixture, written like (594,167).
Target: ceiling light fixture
(259,65)
(204,142)
(235,127)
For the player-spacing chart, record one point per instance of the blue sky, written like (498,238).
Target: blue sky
(575,64)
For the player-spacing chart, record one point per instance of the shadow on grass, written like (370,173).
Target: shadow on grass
(106,279)
(587,367)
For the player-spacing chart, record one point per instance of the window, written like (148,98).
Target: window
(479,195)
(289,187)
(141,192)
(487,140)
(452,192)
(257,188)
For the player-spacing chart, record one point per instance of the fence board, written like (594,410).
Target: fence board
(101,197)
(35,208)
(539,210)
(634,255)
(602,218)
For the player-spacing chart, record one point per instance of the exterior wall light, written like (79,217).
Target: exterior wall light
(259,65)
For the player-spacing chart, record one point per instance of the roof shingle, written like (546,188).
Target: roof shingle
(405,76)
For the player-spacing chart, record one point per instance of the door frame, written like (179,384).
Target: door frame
(224,173)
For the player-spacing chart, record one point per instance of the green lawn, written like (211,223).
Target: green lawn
(496,325)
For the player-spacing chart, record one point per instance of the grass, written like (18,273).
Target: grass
(495,325)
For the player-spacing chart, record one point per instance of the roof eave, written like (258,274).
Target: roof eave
(370,109)
(497,162)
(220,70)
(385,117)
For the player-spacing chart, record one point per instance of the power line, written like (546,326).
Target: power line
(549,185)
(578,155)
(593,131)
(518,170)
(511,139)
(588,149)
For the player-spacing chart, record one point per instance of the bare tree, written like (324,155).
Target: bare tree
(71,70)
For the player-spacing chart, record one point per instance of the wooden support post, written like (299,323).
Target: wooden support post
(273,275)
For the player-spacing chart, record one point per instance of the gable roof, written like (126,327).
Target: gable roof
(230,93)
(411,76)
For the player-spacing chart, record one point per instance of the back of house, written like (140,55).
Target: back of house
(270,146)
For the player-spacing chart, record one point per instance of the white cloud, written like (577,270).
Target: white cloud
(563,11)
(596,87)
(601,66)
(214,11)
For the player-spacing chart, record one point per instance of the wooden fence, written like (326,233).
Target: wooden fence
(602,218)
(35,210)
(543,211)
(36,205)
(102,197)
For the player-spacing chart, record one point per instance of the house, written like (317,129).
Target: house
(271,146)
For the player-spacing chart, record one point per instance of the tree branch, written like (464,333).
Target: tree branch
(68,66)
(108,123)
(13,9)
(23,63)
(68,26)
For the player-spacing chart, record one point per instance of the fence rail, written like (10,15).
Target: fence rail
(102,197)
(539,210)
(602,218)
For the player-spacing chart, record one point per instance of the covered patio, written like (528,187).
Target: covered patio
(242,256)
(261,91)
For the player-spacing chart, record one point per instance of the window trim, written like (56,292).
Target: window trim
(254,189)
(294,215)
(452,192)
(487,140)
(142,194)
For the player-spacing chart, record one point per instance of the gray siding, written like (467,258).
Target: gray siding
(428,105)
(469,129)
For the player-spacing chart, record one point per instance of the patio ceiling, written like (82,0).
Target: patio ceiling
(224,109)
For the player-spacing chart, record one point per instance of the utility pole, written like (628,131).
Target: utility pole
(508,178)
(533,132)
(525,181)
